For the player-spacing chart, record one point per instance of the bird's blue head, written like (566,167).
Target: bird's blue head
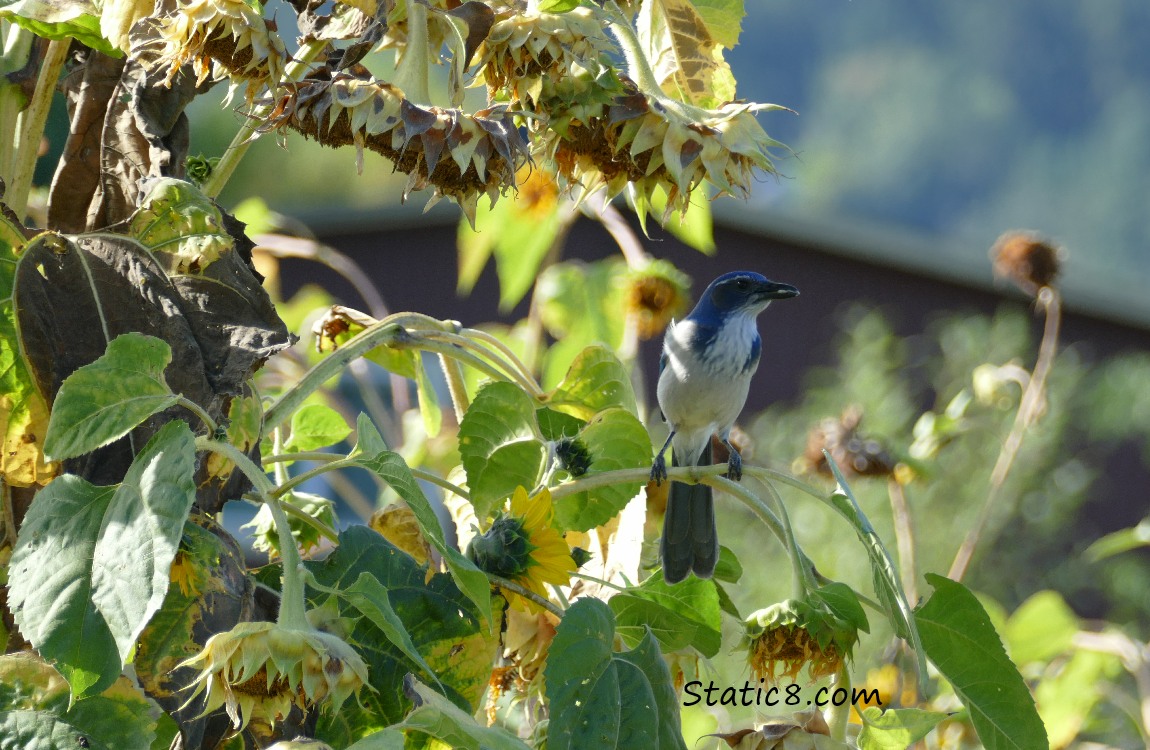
(738,293)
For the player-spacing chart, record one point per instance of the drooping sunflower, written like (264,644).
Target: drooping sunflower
(522,546)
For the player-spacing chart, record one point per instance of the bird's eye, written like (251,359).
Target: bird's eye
(741,285)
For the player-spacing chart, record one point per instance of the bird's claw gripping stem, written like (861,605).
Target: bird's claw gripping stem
(659,469)
(734,466)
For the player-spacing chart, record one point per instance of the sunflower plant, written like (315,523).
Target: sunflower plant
(151,379)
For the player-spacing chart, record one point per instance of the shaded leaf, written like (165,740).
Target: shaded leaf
(444,626)
(471,580)
(437,717)
(896,729)
(961,642)
(665,710)
(581,680)
(91,563)
(680,616)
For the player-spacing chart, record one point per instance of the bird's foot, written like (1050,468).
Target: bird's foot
(735,466)
(659,469)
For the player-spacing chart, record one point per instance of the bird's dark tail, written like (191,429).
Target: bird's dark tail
(690,542)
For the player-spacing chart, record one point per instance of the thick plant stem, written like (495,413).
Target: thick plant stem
(30,126)
(1029,408)
(525,592)
(839,716)
(292,609)
(244,139)
(17,47)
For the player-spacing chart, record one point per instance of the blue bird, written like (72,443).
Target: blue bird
(704,375)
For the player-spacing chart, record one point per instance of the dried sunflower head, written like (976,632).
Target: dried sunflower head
(458,155)
(259,670)
(655,296)
(786,637)
(1026,259)
(219,39)
(523,50)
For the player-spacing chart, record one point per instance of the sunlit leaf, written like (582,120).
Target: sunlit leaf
(315,426)
(499,445)
(1042,627)
(429,407)
(961,642)
(104,400)
(180,224)
(23,411)
(60,19)
(595,381)
(684,50)
(91,563)
(615,440)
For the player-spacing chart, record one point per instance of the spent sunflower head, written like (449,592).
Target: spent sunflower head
(459,155)
(818,634)
(219,39)
(655,295)
(1027,259)
(522,546)
(259,670)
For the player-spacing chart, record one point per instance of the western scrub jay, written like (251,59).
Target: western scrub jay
(704,375)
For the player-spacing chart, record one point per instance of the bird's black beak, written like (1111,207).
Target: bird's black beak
(769,290)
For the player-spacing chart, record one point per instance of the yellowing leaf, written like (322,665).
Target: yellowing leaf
(23,411)
(686,52)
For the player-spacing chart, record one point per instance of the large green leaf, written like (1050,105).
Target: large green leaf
(50,583)
(960,640)
(315,426)
(683,615)
(596,380)
(60,19)
(895,728)
(104,400)
(437,717)
(499,445)
(615,440)
(91,563)
(140,533)
(581,680)
(665,709)
(606,700)
(443,626)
